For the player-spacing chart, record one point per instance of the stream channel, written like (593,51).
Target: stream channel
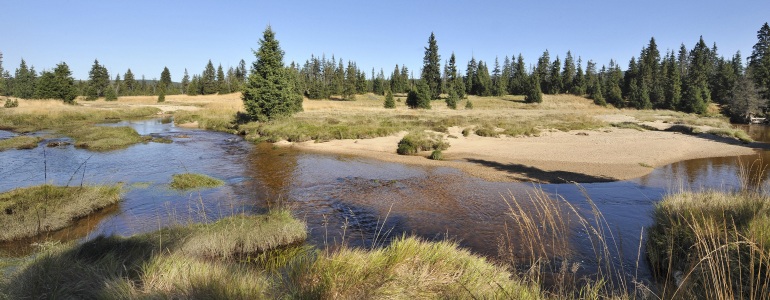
(344,199)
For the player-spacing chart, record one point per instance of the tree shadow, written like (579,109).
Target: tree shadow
(529,173)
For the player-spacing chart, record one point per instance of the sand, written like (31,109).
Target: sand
(607,154)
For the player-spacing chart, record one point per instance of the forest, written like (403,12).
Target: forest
(686,80)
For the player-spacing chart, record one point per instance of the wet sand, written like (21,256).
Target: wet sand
(602,155)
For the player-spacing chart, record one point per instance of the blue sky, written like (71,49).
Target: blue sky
(148,35)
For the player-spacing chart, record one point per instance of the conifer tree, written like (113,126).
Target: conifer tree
(269,93)
(98,80)
(498,88)
(453,98)
(129,82)
(208,80)
(470,76)
(555,82)
(454,78)
(505,76)
(578,86)
(222,87)
(519,78)
(568,74)
(696,94)
(534,93)
(24,81)
(165,79)
(759,61)
(110,94)
(596,94)
(45,88)
(185,81)
(64,83)
(431,69)
(194,87)
(162,96)
(419,97)
(543,70)
(2,77)
(389,102)
(349,85)
(672,85)
(482,83)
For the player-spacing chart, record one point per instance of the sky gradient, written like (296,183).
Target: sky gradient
(148,35)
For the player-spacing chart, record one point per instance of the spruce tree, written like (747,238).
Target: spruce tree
(389,102)
(454,78)
(596,94)
(110,94)
(349,85)
(534,93)
(98,80)
(419,97)
(519,78)
(165,79)
(555,83)
(482,83)
(222,87)
(470,76)
(129,82)
(65,84)
(2,78)
(208,80)
(453,98)
(744,99)
(24,81)
(759,61)
(568,74)
(45,88)
(543,70)
(578,86)
(185,81)
(269,92)
(162,96)
(431,70)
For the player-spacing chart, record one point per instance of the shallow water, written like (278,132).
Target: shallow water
(356,201)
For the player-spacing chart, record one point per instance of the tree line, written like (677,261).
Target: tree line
(684,80)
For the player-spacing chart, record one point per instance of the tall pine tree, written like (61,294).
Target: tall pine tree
(431,70)
(269,92)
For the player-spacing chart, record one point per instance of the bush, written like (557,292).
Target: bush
(389,103)
(9,103)
(466,132)
(487,131)
(468,104)
(421,141)
(436,155)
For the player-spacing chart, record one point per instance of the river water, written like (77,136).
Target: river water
(344,199)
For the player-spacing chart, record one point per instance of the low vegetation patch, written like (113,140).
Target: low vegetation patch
(633,125)
(189,181)
(408,268)
(19,142)
(436,155)
(732,133)
(712,245)
(686,129)
(30,211)
(103,138)
(269,263)
(415,142)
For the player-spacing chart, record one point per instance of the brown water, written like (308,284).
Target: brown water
(360,202)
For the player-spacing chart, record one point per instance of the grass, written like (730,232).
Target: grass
(712,245)
(102,138)
(738,134)
(415,142)
(31,211)
(19,142)
(190,181)
(247,257)
(36,115)
(407,268)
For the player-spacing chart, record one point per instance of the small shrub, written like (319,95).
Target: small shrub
(468,104)
(466,132)
(389,103)
(436,155)
(162,97)
(10,103)
(486,131)
(420,141)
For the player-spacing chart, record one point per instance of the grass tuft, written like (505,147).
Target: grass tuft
(190,181)
(19,142)
(732,133)
(30,211)
(103,138)
(415,142)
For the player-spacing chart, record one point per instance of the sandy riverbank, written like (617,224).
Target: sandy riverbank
(583,156)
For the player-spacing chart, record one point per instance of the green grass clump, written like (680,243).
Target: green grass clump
(19,142)
(436,155)
(243,236)
(189,181)
(415,142)
(487,131)
(160,264)
(409,268)
(103,138)
(30,211)
(717,241)
(732,133)
(633,125)
(686,129)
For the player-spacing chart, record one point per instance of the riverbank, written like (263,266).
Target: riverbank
(607,154)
